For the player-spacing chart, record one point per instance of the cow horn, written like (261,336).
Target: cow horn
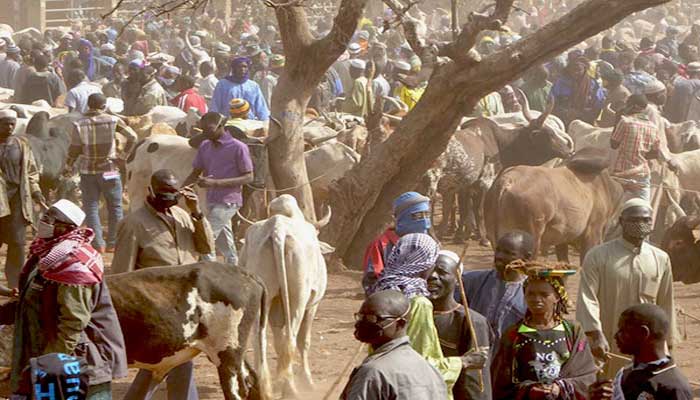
(524,104)
(326,218)
(548,110)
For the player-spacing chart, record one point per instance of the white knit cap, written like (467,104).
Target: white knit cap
(7,113)
(358,64)
(636,202)
(452,256)
(70,211)
(354,48)
(654,86)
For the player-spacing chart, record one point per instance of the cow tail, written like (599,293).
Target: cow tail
(278,248)
(503,184)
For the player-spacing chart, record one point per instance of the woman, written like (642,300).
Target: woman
(88,59)
(407,269)
(544,356)
(64,305)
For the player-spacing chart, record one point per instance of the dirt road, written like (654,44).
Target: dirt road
(334,345)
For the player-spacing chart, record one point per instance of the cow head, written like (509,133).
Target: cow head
(545,134)
(680,244)
(287,205)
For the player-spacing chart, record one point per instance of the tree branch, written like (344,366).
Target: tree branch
(477,23)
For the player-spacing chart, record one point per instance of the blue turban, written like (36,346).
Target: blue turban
(405,206)
(235,63)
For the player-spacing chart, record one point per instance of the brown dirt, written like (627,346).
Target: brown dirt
(333,343)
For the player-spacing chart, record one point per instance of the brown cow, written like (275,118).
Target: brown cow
(684,250)
(558,206)
(171,314)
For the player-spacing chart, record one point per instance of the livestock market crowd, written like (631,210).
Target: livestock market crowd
(597,148)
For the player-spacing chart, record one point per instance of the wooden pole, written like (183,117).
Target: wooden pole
(454,19)
(465,304)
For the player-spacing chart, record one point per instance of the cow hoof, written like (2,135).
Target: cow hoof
(289,390)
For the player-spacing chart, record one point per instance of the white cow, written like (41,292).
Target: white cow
(324,164)
(284,251)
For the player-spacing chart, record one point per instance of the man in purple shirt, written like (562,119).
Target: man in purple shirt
(222,165)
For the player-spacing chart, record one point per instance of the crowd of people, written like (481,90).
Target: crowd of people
(435,329)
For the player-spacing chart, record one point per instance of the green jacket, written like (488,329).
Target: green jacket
(28,185)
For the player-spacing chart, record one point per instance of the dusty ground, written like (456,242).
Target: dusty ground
(333,344)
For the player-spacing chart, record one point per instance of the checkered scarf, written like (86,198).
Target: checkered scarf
(412,255)
(69,259)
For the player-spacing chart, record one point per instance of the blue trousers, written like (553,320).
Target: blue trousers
(93,186)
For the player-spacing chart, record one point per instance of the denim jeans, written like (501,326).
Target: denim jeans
(641,190)
(92,186)
(219,217)
(180,383)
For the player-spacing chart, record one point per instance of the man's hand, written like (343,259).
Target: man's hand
(474,359)
(541,391)
(191,200)
(207,182)
(40,200)
(599,345)
(600,390)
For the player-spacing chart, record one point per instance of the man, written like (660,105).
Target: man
(616,95)
(537,88)
(79,92)
(270,76)
(411,215)
(357,100)
(64,305)
(238,85)
(637,140)
(637,79)
(454,328)
(19,185)
(497,293)
(151,94)
(645,271)
(207,82)
(394,370)
(684,90)
(577,95)
(163,234)
(188,96)
(222,165)
(653,374)
(9,66)
(41,84)
(93,145)
(113,88)
(671,41)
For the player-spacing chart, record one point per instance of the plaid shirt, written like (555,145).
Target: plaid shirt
(637,136)
(93,142)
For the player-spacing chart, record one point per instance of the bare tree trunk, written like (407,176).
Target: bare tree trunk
(307,62)
(362,199)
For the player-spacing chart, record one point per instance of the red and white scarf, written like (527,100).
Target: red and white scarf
(69,259)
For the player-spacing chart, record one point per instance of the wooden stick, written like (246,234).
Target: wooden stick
(344,372)
(465,304)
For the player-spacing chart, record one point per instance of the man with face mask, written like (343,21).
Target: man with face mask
(621,273)
(64,305)
(411,215)
(497,293)
(454,329)
(394,370)
(160,234)
(19,185)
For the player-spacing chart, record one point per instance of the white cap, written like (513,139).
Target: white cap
(7,113)
(694,67)
(402,66)
(70,211)
(654,86)
(107,47)
(636,202)
(452,256)
(354,48)
(195,41)
(358,64)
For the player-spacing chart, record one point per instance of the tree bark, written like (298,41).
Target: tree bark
(307,62)
(362,199)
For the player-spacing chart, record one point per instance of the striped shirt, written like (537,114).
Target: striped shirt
(93,142)
(637,136)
